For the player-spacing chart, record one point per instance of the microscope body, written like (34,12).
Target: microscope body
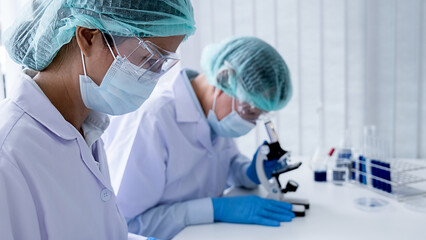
(273,151)
(269,152)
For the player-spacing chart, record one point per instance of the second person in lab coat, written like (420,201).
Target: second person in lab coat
(176,154)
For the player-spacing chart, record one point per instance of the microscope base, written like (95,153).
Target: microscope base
(297,201)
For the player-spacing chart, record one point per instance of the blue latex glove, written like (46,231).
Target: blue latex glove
(251,209)
(151,238)
(268,167)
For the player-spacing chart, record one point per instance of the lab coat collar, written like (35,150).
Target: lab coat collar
(186,111)
(30,98)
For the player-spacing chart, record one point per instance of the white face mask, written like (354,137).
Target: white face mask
(233,125)
(121,91)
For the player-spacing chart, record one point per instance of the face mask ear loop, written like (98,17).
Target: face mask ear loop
(109,47)
(84,64)
(214,99)
(233,104)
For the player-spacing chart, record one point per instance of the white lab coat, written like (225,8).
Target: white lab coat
(170,165)
(50,184)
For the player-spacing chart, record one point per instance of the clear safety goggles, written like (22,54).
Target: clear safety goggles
(144,55)
(248,111)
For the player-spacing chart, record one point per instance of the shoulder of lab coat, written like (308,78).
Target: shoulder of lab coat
(43,161)
(19,217)
(16,204)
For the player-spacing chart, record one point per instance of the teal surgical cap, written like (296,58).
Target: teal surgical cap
(250,70)
(40,32)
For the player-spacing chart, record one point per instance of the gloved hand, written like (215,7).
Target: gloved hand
(251,209)
(268,167)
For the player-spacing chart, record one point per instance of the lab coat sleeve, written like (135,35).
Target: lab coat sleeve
(238,167)
(237,172)
(169,220)
(18,215)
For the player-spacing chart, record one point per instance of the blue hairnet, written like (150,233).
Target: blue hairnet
(47,25)
(250,70)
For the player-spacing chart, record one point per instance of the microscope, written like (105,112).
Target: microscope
(270,151)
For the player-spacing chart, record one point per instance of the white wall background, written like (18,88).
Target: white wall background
(8,69)
(361,61)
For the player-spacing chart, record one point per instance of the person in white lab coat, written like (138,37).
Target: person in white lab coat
(175,155)
(88,59)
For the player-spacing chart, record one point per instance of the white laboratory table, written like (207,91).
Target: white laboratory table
(332,215)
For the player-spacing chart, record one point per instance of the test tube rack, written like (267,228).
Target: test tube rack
(394,178)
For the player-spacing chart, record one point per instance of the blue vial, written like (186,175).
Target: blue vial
(320,176)
(362,177)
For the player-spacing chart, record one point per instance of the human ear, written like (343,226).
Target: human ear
(87,40)
(97,57)
(219,92)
